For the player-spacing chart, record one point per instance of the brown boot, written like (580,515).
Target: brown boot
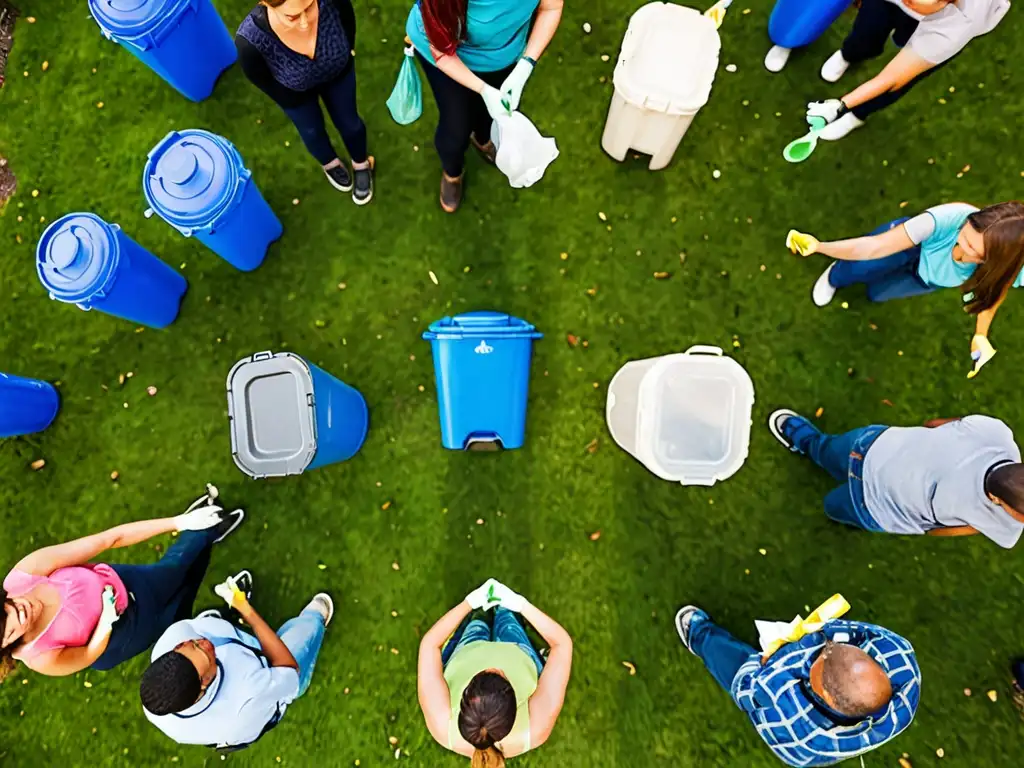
(488,151)
(451,192)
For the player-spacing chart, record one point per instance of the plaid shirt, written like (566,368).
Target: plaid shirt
(778,699)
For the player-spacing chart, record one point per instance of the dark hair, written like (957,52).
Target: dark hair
(858,684)
(170,684)
(486,715)
(7,661)
(445,23)
(1002,227)
(1006,483)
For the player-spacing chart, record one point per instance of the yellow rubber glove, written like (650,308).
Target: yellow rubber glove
(831,609)
(981,352)
(229,592)
(717,12)
(799,242)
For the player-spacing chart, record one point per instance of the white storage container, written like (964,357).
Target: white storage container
(686,417)
(666,67)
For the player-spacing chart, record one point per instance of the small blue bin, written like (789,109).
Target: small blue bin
(183,41)
(26,405)
(482,372)
(288,416)
(197,182)
(83,260)
(796,23)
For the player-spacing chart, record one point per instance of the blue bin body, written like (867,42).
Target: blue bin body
(83,260)
(482,373)
(342,419)
(183,41)
(26,405)
(795,23)
(197,182)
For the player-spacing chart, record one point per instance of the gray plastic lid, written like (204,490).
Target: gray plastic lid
(270,406)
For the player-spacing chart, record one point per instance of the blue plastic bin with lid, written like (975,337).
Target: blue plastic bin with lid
(183,41)
(26,405)
(796,23)
(287,416)
(83,260)
(482,373)
(197,182)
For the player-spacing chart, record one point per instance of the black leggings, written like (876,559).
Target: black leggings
(461,112)
(339,96)
(876,21)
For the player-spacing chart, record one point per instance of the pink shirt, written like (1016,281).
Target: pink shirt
(81,601)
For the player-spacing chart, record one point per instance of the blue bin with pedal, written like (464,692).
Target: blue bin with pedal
(482,373)
(26,405)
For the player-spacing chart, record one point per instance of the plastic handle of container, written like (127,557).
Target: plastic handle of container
(262,356)
(476,321)
(703,349)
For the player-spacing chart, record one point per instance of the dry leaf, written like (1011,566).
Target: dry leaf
(151,391)
(940,752)
(395,566)
(592,446)
(433,277)
(386,505)
(46,66)
(904,763)
(992,695)
(120,379)
(394,651)
(573,340)
(601,216)
(392,740)
(595,536)
(887,402)
(817,413)
(662,275)
(114,475)
(630,667)
(38,464)
(967,691)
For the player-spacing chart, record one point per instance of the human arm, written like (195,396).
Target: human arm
(431,687)
(274,649)
(67,661)
(545,24)
(954,530)
(546,702)
(348,20)
(258,73)
(903,68)
(865,248)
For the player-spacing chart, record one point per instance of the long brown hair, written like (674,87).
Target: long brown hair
(486,716)
(7,662)
(1002,227)
(445,23)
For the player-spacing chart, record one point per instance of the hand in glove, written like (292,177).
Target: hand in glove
(512,88)
(505,597)
(981,352)
(229,592)
(109,615)
(199,519)
(478,597)
(497,103)
(829,110)
(799,242)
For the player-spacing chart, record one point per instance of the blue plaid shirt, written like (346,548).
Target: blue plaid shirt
(800,730)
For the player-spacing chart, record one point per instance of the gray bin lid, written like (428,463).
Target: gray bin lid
(270,407)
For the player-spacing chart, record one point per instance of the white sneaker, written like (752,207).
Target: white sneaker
(841,127)
(823,292)
(835,67)
(322,604)
(213,613)
(777,58)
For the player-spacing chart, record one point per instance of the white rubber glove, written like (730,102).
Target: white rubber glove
(229,592)
(478,597)
(829,110)
(981,352)
(506,598)
(199,519)
(512,88)
(109,615)
(497,104)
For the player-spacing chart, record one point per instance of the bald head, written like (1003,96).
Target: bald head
(852,682)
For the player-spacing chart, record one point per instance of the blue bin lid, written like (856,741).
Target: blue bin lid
(477,325)
(131,18)
(77,257)
(191,177)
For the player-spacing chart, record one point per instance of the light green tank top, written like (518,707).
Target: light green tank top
(518,668)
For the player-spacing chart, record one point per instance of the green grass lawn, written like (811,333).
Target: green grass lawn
(661,545)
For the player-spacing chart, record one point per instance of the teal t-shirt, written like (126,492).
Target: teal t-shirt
(496,33)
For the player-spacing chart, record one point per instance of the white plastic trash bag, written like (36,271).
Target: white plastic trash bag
(523,154)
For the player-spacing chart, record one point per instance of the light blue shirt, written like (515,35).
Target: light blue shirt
(495,36)
(245,695)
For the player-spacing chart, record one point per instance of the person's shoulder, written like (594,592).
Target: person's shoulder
(945,211)
(988,425)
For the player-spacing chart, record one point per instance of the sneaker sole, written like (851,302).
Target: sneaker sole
(337,186)
(823,276)
(680,614)
(773,419)
(233,528)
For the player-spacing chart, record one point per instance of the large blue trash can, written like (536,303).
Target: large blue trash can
(183,41)
(482,373)
(83,260)
(288,416)
(26,405)
(197,182)
(795,23)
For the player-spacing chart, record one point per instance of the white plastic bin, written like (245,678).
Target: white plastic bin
(686,417)
(666,67)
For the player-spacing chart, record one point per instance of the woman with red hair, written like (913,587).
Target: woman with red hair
(477,55)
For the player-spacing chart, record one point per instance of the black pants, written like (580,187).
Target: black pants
(876,21)
(461,112)
(339,96)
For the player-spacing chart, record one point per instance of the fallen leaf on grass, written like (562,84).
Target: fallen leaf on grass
(904,763)
(992,695)
(151,391)
(662,275)
(395,566)
(433,277)
(631,667)
(38,464)
(595,536)
(887,402)
(386,505)
(817,413)
(592,446)
(967,691)
(114,475)
(573,340)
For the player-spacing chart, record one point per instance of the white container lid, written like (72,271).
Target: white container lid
(668,59)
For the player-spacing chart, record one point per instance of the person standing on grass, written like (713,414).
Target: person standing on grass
(831,695)
(62,614)
(477,55)
(484,691)
(954,245)
(951,477)
(212,684)
(929,33)
(302,52)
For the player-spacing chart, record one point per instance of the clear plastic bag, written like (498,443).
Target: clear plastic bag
(523,154)
(406,100)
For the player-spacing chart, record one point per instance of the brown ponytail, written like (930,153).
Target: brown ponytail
(488,758)
(7,662)
(1002,227)
(487,714)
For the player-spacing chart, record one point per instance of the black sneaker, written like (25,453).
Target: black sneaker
(339,178)
(229,521)
(363,192)
(243,580)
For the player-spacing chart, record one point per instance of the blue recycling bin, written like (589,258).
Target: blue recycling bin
(183,41)
(482,373)
(26,405)
(795,23)
(197,182)
(83,260)
(287,416)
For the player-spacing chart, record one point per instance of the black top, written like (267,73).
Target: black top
(255,66)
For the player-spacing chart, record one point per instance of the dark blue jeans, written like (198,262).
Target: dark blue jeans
(894,277)
(721,653)
(507,628)
(339,96)
(160,594)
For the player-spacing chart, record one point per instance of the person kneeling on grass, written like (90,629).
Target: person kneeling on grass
(951,477)
(488,695)
(829,696)
(212,684)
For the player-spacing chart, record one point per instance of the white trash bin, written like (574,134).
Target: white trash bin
(686,417)
(666,67)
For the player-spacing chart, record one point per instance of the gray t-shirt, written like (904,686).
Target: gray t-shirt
(942,35)
(917,479)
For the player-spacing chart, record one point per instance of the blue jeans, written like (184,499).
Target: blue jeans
(304,635)
(721,653)
(842,456)
(507,629)
(894,277)
(339,96)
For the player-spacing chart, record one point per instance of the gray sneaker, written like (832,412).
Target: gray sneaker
(322,604)
(363,192)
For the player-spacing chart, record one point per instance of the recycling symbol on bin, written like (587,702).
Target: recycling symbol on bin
(483,348)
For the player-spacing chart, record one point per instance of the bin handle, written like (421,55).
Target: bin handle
(703,349)
(262,356)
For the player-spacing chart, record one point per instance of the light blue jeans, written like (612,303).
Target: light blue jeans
(507,629)
(304,635)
